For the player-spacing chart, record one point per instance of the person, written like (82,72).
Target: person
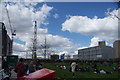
(6,73)
(32,67)
(38,66)
(97,71)
(73,66)
(4,64)
(26,67)
(104,72)
(114,68)
(64,67)
(20,68)
(118,68)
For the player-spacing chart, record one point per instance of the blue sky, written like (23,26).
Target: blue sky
(89,9)
(75,24)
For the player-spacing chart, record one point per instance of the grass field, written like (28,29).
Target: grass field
(66,74)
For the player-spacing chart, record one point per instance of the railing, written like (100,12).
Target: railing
(1,73)
(4,74)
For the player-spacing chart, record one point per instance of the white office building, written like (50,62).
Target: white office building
(98,52)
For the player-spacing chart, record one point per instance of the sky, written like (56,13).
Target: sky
(67,26)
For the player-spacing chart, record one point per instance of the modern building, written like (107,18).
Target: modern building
(67,56)
(54,57)
(5,41)
(75,56)
(98,52)
(62,56)
(0,39)
(116,46)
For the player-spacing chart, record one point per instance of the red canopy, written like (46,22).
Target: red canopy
(43,74)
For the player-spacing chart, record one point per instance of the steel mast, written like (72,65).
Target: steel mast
(34,55)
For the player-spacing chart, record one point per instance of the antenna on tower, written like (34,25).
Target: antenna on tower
(34,55)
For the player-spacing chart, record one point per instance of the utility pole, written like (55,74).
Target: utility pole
(34,55)
(45,48)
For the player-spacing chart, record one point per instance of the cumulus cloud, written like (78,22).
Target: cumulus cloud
(94,41)
(56,16)
(104,28)
(22,0)
(63,0)
(83,47)
(19,47)
(22,16)
(57,43)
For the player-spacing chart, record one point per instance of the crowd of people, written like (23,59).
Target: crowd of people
(91,67)
(24,67)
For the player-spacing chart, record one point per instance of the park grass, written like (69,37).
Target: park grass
(66,74)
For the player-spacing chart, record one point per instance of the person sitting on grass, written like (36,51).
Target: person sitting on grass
(96,71)
(114,69)
(102,71)
(83,69)
(64,67)
(118,68)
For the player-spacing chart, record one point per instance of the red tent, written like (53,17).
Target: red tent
(43,74)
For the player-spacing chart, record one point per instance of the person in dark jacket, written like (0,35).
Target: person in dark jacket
(20,68)
(32,67)
(4,64)
(26,67)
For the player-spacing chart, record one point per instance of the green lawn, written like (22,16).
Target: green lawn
(66,74)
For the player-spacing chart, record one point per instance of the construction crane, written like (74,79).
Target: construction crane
(11,28)
(34,55)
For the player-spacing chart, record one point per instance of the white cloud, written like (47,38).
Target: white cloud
(104,28)
(94,41)
(62,0)
(56,16)
(22,17)
(19,47)
(22,20)
(57,43)
(22,0)
(83,47)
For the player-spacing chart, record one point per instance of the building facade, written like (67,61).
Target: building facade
(0,39)
(116,46)
(5,41)
(75,56)
(95,53)
(54,57)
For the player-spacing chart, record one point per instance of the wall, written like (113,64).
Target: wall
(0,39)
(107,52)
(116,46)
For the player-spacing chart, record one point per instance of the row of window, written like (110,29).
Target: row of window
(90,49)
